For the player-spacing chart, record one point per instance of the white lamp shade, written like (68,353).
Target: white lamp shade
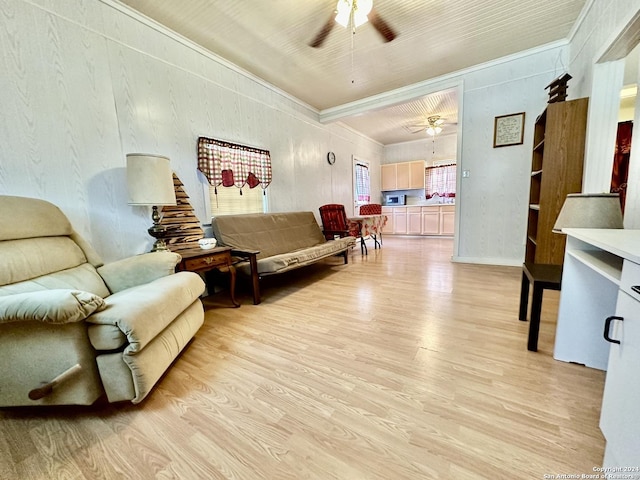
(150,180)
(590,210)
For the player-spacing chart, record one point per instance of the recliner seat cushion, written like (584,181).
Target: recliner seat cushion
(142,312)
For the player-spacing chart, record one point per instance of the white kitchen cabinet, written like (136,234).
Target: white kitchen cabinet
(420,220)
(402,176)
(416,174)
(414,221)
(388,177)
(400,220)
(447,219)
(430,220)
(403,179)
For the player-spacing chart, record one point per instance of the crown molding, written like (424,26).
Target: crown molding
(151,23)
(426,87)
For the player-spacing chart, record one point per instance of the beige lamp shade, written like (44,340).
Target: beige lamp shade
(590,210)
(150,180)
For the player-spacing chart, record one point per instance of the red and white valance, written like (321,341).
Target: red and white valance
(229,164)
(440,180)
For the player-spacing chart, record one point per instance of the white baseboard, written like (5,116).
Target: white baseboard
(488,261)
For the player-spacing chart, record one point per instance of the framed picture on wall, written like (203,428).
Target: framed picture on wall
(508,130)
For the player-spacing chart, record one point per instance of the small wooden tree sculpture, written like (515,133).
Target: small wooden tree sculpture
(183,227)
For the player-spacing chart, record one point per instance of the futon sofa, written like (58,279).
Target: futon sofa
(73,328)
(272,243)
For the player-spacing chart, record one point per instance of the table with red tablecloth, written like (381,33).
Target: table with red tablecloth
(370,226)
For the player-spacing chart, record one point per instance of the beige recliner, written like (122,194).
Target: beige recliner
(72,328)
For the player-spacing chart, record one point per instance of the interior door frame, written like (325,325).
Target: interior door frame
(356,161)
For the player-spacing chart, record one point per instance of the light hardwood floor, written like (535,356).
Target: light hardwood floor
(399,365)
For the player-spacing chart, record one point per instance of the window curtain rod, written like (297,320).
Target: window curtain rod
(230,144)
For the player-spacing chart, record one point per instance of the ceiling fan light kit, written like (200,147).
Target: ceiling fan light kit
(360,9)
(353,13)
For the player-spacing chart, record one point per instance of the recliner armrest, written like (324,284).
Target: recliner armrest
(138,270)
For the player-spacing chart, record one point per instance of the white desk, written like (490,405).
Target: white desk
(590,280)
(601,278)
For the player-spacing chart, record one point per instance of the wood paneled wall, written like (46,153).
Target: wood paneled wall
(84,83)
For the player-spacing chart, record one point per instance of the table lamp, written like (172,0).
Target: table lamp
(150,183)
(590,210)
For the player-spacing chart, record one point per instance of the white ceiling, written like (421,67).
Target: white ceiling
(270,39)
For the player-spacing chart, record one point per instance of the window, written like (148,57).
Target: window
(228,201)
(362,184)
(234,171)
(440,180)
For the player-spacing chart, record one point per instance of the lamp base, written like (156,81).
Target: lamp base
(159,246)
(158,232)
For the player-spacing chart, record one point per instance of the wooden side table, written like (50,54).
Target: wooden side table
(200,261)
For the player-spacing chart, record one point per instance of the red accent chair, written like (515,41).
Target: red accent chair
(371,209)
(335,222)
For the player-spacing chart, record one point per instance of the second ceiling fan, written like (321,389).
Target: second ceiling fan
(354,13)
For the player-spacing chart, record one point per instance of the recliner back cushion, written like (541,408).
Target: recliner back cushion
(33,257)
(271,233)
(33,264)
(83,277)
(22,217)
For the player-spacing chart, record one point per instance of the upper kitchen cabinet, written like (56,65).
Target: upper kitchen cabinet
(388,176)
(402,176)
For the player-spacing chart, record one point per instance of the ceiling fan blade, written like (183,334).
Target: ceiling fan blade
(381,26)
(324,33)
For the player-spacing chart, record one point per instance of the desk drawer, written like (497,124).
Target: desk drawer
(208,261)
(630,279)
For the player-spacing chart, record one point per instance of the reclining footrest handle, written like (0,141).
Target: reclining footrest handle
(46,389)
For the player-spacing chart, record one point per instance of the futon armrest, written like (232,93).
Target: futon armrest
(138,270)
(244,253)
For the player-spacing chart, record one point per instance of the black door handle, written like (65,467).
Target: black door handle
(607,327)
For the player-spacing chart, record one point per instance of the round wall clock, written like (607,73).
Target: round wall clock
(331,158)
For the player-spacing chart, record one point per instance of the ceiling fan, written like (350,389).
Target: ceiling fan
(354,13)
(433,126)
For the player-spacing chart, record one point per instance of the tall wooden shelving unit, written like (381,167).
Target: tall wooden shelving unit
(556,170)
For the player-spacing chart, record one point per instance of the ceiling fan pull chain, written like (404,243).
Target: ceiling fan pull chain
(353,39)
